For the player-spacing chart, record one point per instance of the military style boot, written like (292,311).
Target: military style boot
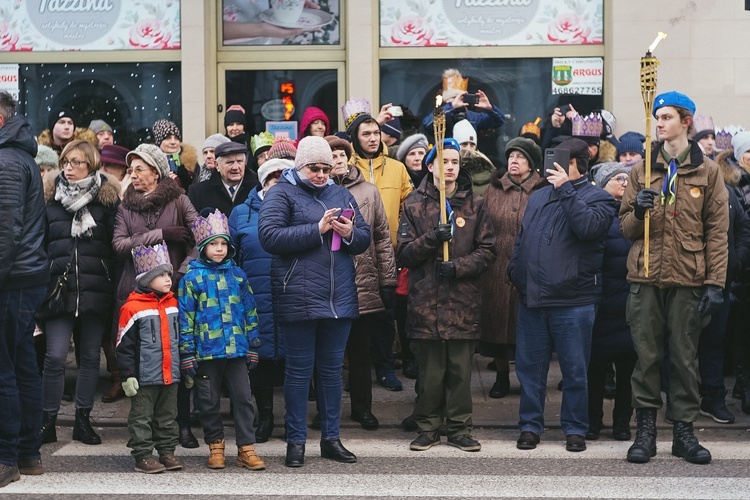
(644,446)
(685,444)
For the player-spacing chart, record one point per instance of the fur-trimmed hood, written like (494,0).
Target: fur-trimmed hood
(109,194)
(730,169)
(188,157)
(167,190)
(80,134)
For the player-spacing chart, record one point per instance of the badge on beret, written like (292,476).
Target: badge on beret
(695,192)
(460,221)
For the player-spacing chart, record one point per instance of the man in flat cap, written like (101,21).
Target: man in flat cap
(687,270)
(230,183)
(556,266)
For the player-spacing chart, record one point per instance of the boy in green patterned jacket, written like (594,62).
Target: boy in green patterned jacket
(219,338)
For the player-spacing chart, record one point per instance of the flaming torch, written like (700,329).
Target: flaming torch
(438,124)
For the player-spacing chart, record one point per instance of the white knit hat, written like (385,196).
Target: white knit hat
(274,165)
(463,131)
(214,140)
(741,144)
(313,149)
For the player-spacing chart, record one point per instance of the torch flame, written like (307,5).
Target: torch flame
(661,36)
(438,100)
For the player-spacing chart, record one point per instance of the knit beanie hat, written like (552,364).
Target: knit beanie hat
(339,143)
(630,145)
(97,126)
(313,149)
(163,128)
(271,166)
(153,156)
(46,157)
(463,131)
(235,114)
(741,144)
(282,150)
(528,148)
(392,128)
(604,172)
(214,140)
(412,142)
(58,113)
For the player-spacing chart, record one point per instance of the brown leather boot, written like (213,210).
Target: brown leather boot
(246,457)
(216,458)
(115,392)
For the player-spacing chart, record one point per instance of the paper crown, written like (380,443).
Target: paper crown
(146,258)
(353,108)
(453,80)
(532,128)
(703,122)
(204,228)
(587,126)
(261,140)
(724,136)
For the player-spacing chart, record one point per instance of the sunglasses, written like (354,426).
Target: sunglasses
(316,169)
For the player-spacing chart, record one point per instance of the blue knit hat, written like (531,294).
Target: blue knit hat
(630,145)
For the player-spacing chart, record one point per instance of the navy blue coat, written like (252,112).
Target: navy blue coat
(557,258)
(256,262)
(611,335)
(308,280)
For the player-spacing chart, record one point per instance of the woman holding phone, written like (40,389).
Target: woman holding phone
(313,290)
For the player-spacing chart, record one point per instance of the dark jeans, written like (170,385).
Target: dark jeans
(711,350)
(598,366)
(233,373)
(360,371)
(183,405)
(151,421)
(399,312)
(320,343)
(20,385)
(381,346)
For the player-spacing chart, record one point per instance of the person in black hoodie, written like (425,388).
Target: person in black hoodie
(23,279)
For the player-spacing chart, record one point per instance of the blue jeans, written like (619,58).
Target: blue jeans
(566,330)
(20,385)
(320,343)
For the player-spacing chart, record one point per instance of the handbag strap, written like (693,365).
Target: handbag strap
(72,256)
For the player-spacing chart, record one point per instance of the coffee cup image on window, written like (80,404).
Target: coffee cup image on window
(559,156)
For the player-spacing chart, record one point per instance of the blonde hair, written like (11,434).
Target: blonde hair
(90,153)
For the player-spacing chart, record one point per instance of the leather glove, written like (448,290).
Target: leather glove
(643,201)
(189,382)
(710,303)
(388,296)
(177,234)
(443,232)
(251,360)
(188,366)
(130,386)
(447,270)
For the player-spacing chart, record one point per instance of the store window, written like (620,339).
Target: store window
(282,95)
(521,88)
(128,96)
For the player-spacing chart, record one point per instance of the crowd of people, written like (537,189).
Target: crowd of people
(275,263)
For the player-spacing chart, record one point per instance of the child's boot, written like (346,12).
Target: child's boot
(216,458)
(246,457)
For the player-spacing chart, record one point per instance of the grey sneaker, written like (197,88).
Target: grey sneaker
(170,462)
(8,474)
(148,465)
(425,441)
(464,443)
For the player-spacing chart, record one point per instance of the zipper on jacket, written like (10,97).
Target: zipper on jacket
(372,172)
(106,270)
(288,275)
(176,327)
(153,331)
(78,286)
(330,252)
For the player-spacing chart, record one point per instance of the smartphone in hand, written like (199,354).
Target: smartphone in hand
(555,155)
(336,237)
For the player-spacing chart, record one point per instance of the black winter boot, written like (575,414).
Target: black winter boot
(48,430)
(621,426)
(264,402)
(82,430)
(685,444)
(741,388)
(644,446)
(713,404)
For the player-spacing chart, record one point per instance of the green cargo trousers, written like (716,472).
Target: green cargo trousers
(151,421)
(659,317)
(445,385)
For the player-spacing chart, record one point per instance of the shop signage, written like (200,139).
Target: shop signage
(468,23)
(9,79)
(62,25)
(577,75)
(282,130)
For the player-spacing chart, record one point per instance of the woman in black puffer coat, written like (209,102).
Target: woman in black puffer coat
(81,204)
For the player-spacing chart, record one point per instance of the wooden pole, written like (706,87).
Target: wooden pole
(438,124)
(648,90)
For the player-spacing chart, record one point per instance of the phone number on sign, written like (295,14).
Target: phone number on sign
(593,90)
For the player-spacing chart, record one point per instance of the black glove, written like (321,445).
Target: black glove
(644,200)
(177,234)
(710,303)
(447,270)
(388,296)
(443,232)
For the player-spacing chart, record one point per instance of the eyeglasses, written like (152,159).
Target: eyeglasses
(316,169)
(621,179)
(73,163)
(137,170)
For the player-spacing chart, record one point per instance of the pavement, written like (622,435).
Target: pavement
(392,407)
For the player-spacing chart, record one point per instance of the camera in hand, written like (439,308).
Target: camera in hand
(471,100)
(564,109)
(559,156)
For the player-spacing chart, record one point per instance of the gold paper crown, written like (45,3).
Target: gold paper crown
(146,258)
(204,228)
(532,128)
(261,140)
(587,126)
(454,81)
(353,108)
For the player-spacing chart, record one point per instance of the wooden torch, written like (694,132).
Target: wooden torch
(438,125)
